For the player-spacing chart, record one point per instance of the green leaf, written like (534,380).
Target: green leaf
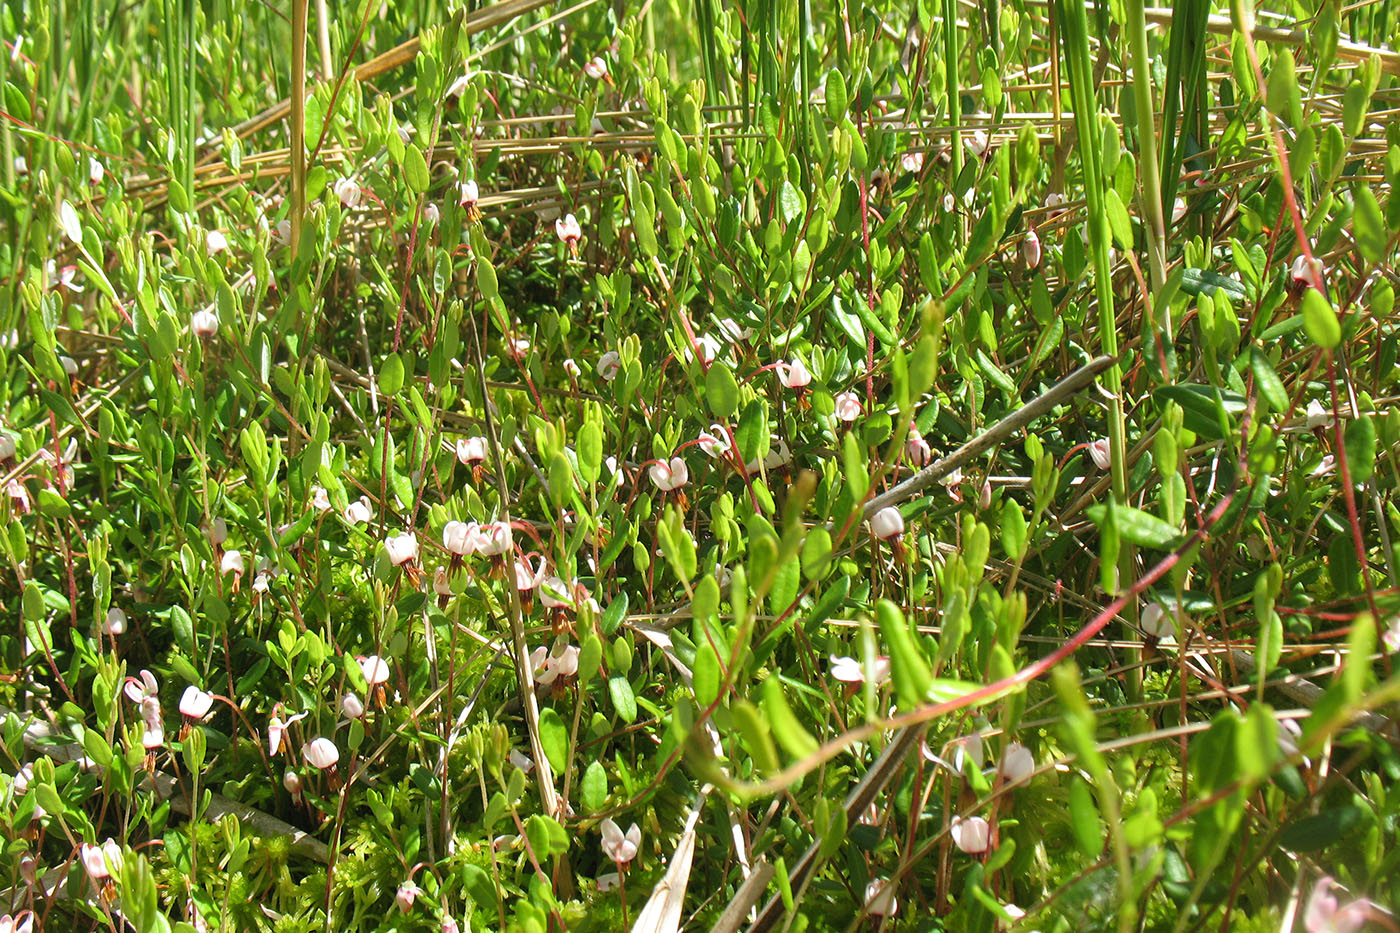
(1256,742)
(391,374)
(1202,406)
(1141,528)
(1118,220)
(1084,818)
(1368,225)
(1329,827)
(594,787)
(909,667)
(790,202)
(794,739)
(705,679)
(721,391)
(478,885)
(752,435)
(1320,320)
(1270,385)
(754,731)
(415,169)
(1360,443)
(554,738)
(816,553)
(623,699)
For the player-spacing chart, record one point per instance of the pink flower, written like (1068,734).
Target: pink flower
(977,143)
(1017,763)
(347,191)
(100,861)
(971,835)
(1305,274)
(142,687)
(351,707)
(1101,453)
(596,68)
(794,375)
(291,781)
(461,538)
(358,512)
(1325,914)
(669,476)
(277,729)
(432,214)
(405,896)
(232,562)
(468,193)
(617,846)
(569,232)
(471,450)
(966,749)
(887,523)
(195,704)
(321,754)
(847,407)
(912,162)
(527,577)
(402,548)
(916,448)
(204,324)
(494,539)
(1030,250)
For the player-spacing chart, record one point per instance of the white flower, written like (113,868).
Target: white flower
(95,859)
(519,346)
(608,882)
(320,499)
(232,562)
(442,584)
(972,835)
(218,531)
(358,511)
(375,670)
(734,331)
(571,368)
(879,898)
(7,446)
(1325,466)
(68,220)
(1017,763)
(709,349)
(432,213)
(617,846)
(141,687)
(1179,208)
(1101,453)
(152,735)
(521,760)
(461,538)
(1030,249)
(1318,415)
(609,365)
(554,593)
(1054,204)
(215,242)
(115,623)
(283,233)
(912,162)
(779,455)
(402,548)
(1304,273)
(95,171)
(568,230)
(351,707)
(1155,622)
(527,577)
(292,782)
(715,441)
(977,143)
(596,68)
(851,671)
(968,748)
(949,203)
(887,523)
(468,193)
(847,407)
(70,365)
(195,703)
(794,375)
(20,785)
(321,754)
(494,539)
(347,191)
(669,476)
(471,450)
(204,323)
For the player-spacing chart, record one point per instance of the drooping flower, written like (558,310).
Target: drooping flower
(232,562)
(195,704)
(461,538)
(291,781)
(7,445)
(351,706)
(1318,415)
(321,754)
(527,577)
(1326,914)
(1179,209)
(596,68)
(96,171)
(1303,274)
(320,499)
(912,162)
(402,548)
(916,448)
(277,731)
(215,242)
(375,670)
(405,896)
(794,375)
(1030,250)
(115,623)
(879,898)
(715,441)
(471,450)
(521,760)
(968,749)
(971,835)
(218,532)
(569,232)
(467,196)
(850,671)
(571,368)
(1017,763)
(1154,621)
(442,583)
(432,213)
(977,143)
(358,512)
(204,324)
(141,687)
(847,407)
(494,539)
(609,365)
(1101,453)
(620,847)
(347,191)
(554,593)
(887,523)
(94,859)
(669,475)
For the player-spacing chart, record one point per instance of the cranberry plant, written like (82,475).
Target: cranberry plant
(895,466)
